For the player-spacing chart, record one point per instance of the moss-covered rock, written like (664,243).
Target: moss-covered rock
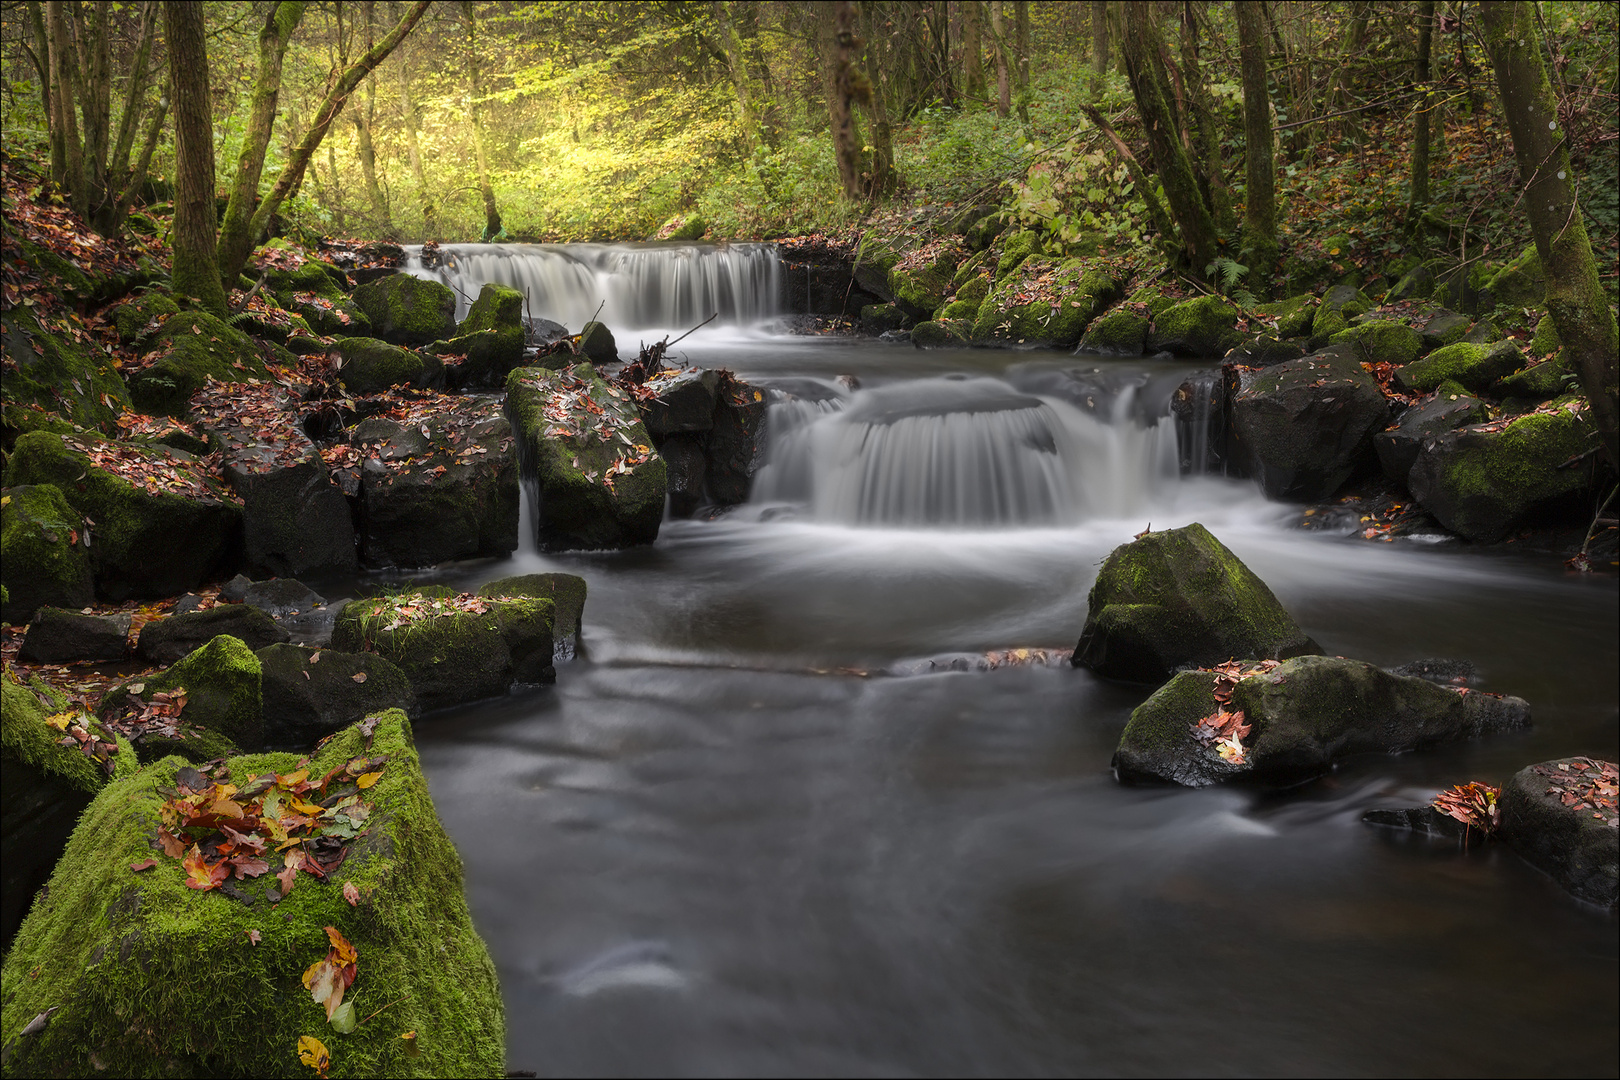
(601,485)
(453,649)
(166,641)
(111,950)
(406,310)
(875,255)
(191,348)
(1536,383)
(1120,332)
(1473,366)
(1416,284)
(1521,283)
(491,337)
(1204,326)
(1464,288)
(565,591)
(1575,843)
(1546,340)
(310,693)
(317,292)
(881,318)
(133,552)
(692,228)
(1159,744)
(1066,297)
(919,290)
(1179,597)
(42,554)
(1480,481)
(974,289)
(1379,341)
(61,636)
(1339,305)
(370,366)
(1294,316)
(224,699)
(1265,350)
(941,333)
(1397,446)
(54,366)
(142,316)
(1015,249)
(1444,328)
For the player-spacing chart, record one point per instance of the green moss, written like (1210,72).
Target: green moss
(1069,295)
(26,738)
(1521,283)
(152,978)
(1121,332)
(1203,326)
(224,696)
(59,373)
(371,366)
(1017,247)
(971,268)
(566,591)
(1339,305)
(1415,284)
(497,308)
(408,310)
(1294,316)
(1382,342)
(939,333)
(1158,741)
(143,316)
(1476,367)
(191,348)
(1491,478)
(321,279)
(42,561)
(1546,339)
(974,289)
(922,289)
(1542,382)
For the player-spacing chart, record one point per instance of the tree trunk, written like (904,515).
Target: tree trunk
(40,57)
(1260,204)
(475,79)
(1099,47)
(972,50)
(67,154)
(367,150)
(1161,220)
(236,235)
(109,214)
(1144,51)
(737,66)
(412,123)
(95,101)
(1575,297)
(882,178)
(1207,151)
(1355,35)
(1021,36)
(998,37)
(841,94)
(196,256)
(1420,129)
(137,175)
(293,174)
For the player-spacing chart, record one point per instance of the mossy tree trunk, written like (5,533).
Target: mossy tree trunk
(121,184)
(1260,204)
(972,49)
(1099,47)
(236,239)
(1145,66)
(475,79)
(67,154)
(842,90)
(737,67)
(1207,148)
(1021,39)
(1355,34)
(881,175)
(1575,297)
(1420,122)
(413,144)
(193,240)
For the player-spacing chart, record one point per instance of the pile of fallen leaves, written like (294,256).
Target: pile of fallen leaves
(138,718)
(154,468)
(443,419)
(1585,785)
(1225,728)
(1474,804)
(82,732)
(572,413)
(251,414)
(385,613)
(1383,372)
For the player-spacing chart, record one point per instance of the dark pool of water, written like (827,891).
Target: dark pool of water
(709,851)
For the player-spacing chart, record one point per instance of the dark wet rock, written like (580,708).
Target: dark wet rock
(56,636)
(1476,367)
(596,344)
(1264,351)
(941,333)
(878,318)
(1120,332)
(1179,597)
(1304,714)
(1397,446)
(1204,326)
(1439,670)
(1304,427)
(684,401)
(235,590)
(439,488)
(133,550)
(280,597)
(544,331)
(164,641)
(310,693)
(406,310)
(1577,841)
(44,787)
(736,445)
(1444,328)
(1537,383)
(370,366)
(565,591)
(456,656)
(42,554)
(1416,284)
(568,450)
(491,337)
(684,457)
(1426,821)
(223,712)
(1480,481)
(1464,288)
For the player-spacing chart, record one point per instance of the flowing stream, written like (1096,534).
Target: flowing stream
(765,826)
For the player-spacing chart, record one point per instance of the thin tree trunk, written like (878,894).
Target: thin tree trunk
(95,100)
(731,44)
(1021,36)
(1575,297)
(1099,47)
(1355,35)
(998,38)
(492,217)
(1260,203)
(882,179)
(108,215)
(64,123)
(413,144)
(1212,174)
(1162,222)
(40,56)
(841,97)
(293,174)
(237,237)
(137,175)
(367,149)
(1420,130)
(972,50)
(193,240)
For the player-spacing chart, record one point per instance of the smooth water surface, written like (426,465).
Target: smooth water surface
(741,836)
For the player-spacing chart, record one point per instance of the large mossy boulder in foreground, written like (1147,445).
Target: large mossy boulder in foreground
(191,348)
(144,976)
(44,788)
(162,524)
(1177,598)
(406,310)
(1480,481)
(1302,715)
(453,648)
(601,483)
(1304,427)
(42,555)
(219,711)
(1552,815)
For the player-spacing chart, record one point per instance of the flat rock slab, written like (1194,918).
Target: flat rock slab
(164,641)
(1560,815)
(56,636)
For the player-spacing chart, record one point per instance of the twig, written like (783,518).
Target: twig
(594,314)
(241,307)
(1596,518)
(692,331)
(396,1001)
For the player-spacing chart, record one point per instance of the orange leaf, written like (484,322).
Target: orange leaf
(144,864)
(345,953)
(312,1052)
(199,875)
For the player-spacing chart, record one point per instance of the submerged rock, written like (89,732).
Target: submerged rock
(1554,814)
(113,949)
(1179,597)
(42,555)
(1304,714)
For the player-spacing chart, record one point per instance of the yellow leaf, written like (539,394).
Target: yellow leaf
(367,779)
(61,720)
(312,1052)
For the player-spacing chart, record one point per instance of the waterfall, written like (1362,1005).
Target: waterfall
(647,287)
(1201,423)
(967,453)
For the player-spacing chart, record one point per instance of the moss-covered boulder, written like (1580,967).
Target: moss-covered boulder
(456,648)
(1304,427)
(1444,328)
(491,338)
(54,366)
(881,318)
(141,500)
(168,640)
(1535,383)
(1045,301)
(310,693)
(1293,316)
(565,591)
(1179,597)
(1546,341)
(973,288)
(1339,305)
(406,310)
(191,348)
(1015,249)
(1416,284)
(142,316)
(44,788)
(921,281)
(1205,326)
(1397,446)
(1302,716)
(1480,481)
(1381,341)
(601,484)
(213,984)
(43,558)
(1521,283)
(318,293)
(60,636)
(1554,813)
(1474,366)
(941,333)
(224,698)
(1120,332)
(875,256)
(371,366)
